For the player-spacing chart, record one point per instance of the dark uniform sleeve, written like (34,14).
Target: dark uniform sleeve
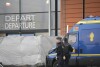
(59,51)
(70,48)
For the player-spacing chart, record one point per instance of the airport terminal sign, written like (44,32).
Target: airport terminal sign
(20,22)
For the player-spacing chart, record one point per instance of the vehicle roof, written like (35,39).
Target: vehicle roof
(90,20)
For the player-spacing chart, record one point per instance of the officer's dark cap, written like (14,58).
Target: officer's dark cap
(65,39)
(59,38)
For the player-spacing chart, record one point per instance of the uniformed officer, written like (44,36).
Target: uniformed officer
(67,52)
(59,52)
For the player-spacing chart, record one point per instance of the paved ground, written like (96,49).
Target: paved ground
(43,66)
(23,66)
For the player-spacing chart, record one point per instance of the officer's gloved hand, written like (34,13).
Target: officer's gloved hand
(64,57)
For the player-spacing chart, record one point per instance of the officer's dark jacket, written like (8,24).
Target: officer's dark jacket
(59,49)
(67,49)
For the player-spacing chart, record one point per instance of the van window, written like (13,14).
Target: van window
(72,39)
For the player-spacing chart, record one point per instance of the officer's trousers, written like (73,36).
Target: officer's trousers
(65,63)
(60,62)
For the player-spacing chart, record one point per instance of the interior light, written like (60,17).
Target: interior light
(47,1)
(8,4)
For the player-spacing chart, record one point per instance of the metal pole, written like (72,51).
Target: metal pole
(83,9)
(67,28)
(56,17)
(49,25)
(20,17)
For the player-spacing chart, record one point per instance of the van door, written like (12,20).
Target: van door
(89,47)
(73,41)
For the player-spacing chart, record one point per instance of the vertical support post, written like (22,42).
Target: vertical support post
(83,9)
(49,25)
(56,17)
(67,28)
(20,17)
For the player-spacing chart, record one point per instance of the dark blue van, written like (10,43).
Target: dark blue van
(84,37)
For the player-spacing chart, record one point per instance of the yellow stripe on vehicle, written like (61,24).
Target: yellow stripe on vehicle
(88,55)
(85,54)
(89,22)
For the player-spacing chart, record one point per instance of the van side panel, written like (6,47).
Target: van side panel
(89,44)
